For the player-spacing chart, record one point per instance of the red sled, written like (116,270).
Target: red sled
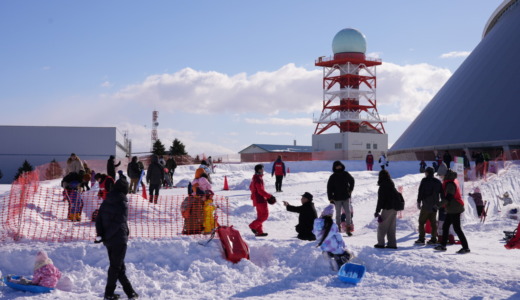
(514,242)
(235,248)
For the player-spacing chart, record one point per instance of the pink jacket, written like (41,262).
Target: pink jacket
(47,275)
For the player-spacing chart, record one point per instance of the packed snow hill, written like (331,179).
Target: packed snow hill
(284,267)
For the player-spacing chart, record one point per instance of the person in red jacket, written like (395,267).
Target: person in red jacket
(370,161)
(259,197)
(279,171)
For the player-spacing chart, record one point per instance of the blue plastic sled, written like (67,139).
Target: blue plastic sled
(351,273)
(26,288)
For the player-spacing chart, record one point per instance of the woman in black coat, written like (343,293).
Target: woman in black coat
(112,230)
(386,211)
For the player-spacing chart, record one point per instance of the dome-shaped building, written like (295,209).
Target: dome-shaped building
(477,109)
(349,40)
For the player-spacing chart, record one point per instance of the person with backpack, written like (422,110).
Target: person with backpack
(278,171)
(154,177)
(386,211)
(330,240)
(454,204)
(112,230)
(369,160)
(134,172)
(339,190)
(260,199)
(307,215)
(111,166)
(430,191)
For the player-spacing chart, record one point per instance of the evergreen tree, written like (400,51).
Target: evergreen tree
(53,171)
(158,148)
(26,167)
(177,148)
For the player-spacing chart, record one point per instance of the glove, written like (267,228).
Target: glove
(418,205)
(376,214)
(98,240)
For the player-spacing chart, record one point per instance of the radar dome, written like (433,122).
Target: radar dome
(349,40)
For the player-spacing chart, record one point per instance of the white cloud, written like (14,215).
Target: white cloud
(280,121)
(289,88)
(453,54)
(106,84)
(408,88)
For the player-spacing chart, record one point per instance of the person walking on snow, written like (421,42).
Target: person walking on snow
(154,177)
(111,166)
(386,211)
(112,230)
(278,171)
(307,215)
(369,160)
(339,191)
(454,204)
(430,191)
(259,197)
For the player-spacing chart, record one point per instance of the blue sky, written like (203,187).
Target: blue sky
(222,74)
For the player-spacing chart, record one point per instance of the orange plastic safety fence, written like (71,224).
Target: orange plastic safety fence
(54,214)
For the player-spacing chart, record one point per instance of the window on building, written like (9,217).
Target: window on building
(374,146)
(338,146)
(368,146)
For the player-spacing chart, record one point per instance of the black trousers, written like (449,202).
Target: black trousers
(117,270)
(453,219)
(154,192)
(278,183)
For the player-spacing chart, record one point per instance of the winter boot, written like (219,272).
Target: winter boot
(440,248)
(419,242)
(133,296)
(463,251)
(112,297)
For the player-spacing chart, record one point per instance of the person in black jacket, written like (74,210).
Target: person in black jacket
(428,198)
(112,230)
(111,166)
(154,177)
(306,219)
(339,190)
(134,172)
(386,211)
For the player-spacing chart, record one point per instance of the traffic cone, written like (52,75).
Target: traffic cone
(226,187)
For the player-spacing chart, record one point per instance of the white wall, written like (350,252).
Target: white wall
(353,144)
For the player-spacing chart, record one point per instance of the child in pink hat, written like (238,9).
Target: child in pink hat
(45,273)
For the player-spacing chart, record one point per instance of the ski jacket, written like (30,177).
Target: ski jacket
(333,242)
(201,184)
(171,165)
(382,160)
(206,168)
(47,275)
(155,173)
(111,221)
(340,184)
(105,186)
(452,199)
(386,196)
(133,170)
(370,159)
(447,159)
(111,166)
(477,197)
(278,168)
(74,166)
(430,191)
(258,193)
(307,215)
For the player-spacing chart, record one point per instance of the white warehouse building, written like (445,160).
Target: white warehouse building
(40,145)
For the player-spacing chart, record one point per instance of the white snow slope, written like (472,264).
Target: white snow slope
(283,267)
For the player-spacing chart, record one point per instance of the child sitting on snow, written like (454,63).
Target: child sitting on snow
(307,215)
(45,273)
(329,239)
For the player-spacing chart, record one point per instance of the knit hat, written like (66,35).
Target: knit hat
(121,185)
(506,195)
(307,195)
(328,211)
(41,260)
(258,167)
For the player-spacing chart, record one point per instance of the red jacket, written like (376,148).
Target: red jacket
(105,186)
(370,159)
(258,193)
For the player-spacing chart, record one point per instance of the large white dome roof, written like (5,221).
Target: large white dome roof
(349,40)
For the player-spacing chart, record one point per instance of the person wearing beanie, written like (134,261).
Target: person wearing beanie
(339,190)
(111,166)
(112,230)
(259,197)
(430,191)
(307,215)
(45,273)
(330,240)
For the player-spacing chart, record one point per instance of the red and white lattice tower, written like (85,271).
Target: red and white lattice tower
(155,124)
(349,87)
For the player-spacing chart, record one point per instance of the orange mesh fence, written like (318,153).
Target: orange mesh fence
(54,214)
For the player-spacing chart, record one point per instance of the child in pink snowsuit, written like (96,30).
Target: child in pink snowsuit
(45,273)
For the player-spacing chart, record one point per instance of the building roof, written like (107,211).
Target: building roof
(479,105)
(278,148)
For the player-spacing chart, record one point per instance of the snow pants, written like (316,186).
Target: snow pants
(278,183)
(117,270)
(154,192)
(262,213)
(387,228)
(345,204)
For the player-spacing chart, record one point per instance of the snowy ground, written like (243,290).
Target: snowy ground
(283,267)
